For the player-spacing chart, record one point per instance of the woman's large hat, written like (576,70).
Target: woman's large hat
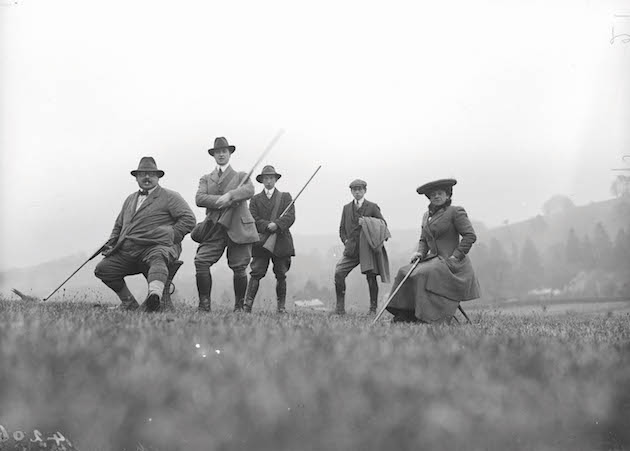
(267,170)
(221,143)
(147,164)
(445,184)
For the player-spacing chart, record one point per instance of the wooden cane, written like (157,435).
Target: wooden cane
(391,296)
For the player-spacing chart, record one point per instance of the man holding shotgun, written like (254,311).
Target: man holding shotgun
(274,213)
(222,190)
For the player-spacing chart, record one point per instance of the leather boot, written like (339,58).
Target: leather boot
(128,302)
(252,289)
(281,293)
(204,286)
(340,308)
(240,287)
(373,288)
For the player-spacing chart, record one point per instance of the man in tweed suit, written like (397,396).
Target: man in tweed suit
(146,238)
(266,208)
(349,232)
(219,192)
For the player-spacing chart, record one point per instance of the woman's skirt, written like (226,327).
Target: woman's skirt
(414,302)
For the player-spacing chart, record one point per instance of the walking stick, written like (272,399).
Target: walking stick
(270,242)
(100,249)
(464,313)
(391,296)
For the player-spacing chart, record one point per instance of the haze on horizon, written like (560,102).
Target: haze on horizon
(517,100)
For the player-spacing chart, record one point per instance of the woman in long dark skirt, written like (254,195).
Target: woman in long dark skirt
(444,277)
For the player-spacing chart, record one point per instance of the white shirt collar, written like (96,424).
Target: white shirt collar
(270,192)
(359,202)
(223,168)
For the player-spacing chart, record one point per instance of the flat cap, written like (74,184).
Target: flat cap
(358,182)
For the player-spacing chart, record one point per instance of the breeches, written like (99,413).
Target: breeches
(209,252)
(281,266)
(344,267)
(151,261)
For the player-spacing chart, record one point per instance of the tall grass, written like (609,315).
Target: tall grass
(111,380)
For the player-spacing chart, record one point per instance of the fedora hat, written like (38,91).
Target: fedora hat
(267,170)
(221,143)
(445,184)
(147,164)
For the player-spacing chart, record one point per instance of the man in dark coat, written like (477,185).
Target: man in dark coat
(225,200)
(267,208)
(350,232)
(146,238)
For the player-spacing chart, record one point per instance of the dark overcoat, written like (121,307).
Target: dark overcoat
(261,208)
(163,219)
(241,227)
(350,229)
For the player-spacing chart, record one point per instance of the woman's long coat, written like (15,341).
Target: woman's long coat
(438,283)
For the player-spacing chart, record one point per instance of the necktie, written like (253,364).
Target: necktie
(143,192)
(220,172)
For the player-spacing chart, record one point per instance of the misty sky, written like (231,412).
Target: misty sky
(518,100)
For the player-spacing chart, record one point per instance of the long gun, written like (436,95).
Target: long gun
(207,227)
(270,242)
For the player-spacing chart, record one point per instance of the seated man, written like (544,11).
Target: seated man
(146,238)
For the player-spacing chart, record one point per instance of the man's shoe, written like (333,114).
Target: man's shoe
(152,302)
(129,305)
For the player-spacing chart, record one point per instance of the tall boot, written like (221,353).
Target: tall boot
(240,287)
(128,302)
(373,287)
(252,289)
(281,293)
(204,286)
(340,291)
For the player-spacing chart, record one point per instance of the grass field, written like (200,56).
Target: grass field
(307,381)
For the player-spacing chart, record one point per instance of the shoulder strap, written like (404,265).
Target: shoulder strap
(276,207)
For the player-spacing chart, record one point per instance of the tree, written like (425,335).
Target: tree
(532,272)
(557,204)
(588,255)
(603,248)
(621,251)
(573,249)
(620,186)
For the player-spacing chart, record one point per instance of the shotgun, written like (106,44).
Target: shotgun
(270,242)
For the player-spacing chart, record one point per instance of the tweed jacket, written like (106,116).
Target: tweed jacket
(440,237)
(164,218)
(349,228)
(239,222)
(261,208)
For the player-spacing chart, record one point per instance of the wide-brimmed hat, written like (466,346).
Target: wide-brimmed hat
(358,182)
(445,184)
(267,170)
(221,143)
(147,164)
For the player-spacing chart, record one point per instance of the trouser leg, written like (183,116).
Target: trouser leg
(373,288)
(239,256)
(208,253)
(343,268)
(258,270)
(112,270)
(281,266)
